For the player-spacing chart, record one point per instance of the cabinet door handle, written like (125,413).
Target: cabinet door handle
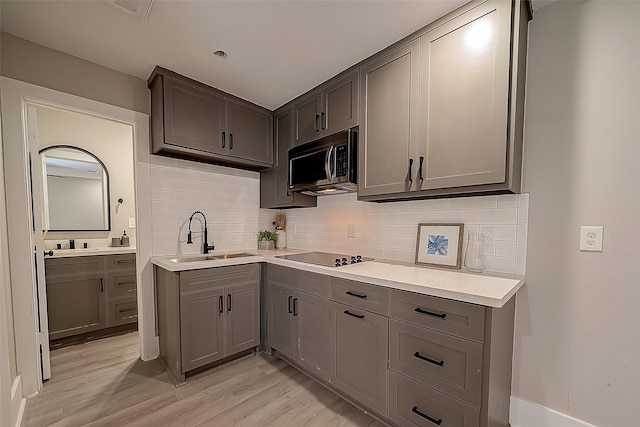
(323,121)
(429,313)
(359,316)
(126,284)
(355,295)
(420,169)
(101,285)
(228,302)
(316,126)
(410,172)
(437,422)
(220,306)
(126,310)
(428,359)
(230,141)
(224,139)
(289,304)
(295,306)
(125,261)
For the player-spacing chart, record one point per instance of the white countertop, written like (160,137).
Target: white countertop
(483,289)
(68,253)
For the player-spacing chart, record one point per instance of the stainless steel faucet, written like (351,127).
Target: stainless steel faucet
(206,247)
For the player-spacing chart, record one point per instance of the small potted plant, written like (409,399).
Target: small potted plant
(267,239)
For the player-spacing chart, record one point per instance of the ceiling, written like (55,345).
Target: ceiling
(276,50)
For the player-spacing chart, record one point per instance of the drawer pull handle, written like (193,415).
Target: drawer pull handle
(127,284)
(427,417)
(429,313)
(425,358)
(126,310)
(295,306)
(289,304)
(126,261)
(228,303)
(359,316)
(220,306)
(355,295)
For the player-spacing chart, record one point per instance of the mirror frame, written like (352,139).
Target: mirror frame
(106,172)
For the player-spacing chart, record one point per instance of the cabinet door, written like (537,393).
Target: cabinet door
(464,99)
(281,326)
(193,118)
(201,327)
(307,125)
(389,122)
(340,105)
(75,304)
(361,356)
(242,308)
(274,183)
(315,333)
(250,132)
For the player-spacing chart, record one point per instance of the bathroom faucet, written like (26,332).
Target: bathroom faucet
(206,247)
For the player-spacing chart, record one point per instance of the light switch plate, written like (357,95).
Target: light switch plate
(591,238)
(132,223)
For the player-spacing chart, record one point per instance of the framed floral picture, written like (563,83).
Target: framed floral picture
(439,245)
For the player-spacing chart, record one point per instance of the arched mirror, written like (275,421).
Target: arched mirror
(76,190)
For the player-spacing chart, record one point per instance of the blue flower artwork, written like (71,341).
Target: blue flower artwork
(437,245)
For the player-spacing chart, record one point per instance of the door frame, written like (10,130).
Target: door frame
(15,96)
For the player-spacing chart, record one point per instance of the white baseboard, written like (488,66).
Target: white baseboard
(528,414)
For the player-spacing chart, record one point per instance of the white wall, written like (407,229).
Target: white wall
(112,143)
(577,344)
(389,230)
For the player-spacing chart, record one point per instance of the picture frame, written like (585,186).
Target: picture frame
(440,245)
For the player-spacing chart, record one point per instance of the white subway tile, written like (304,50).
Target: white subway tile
(503,232)
(155,172)
(380,230)
(371,252)
(391,242)
(212,178)
(427,205)
(229,190)
(479,202)
(163,195)
(505,249)
(407,230)
(523,206)
(158,239)
(389,207)
(500,265)
(521,257)
(400,255)
(523,231)
(163,184)
(403,218)
(191,165)
(167,162)
(490,216)
(157,206)
(508,201)
(454,216)
(199,187)
(180,175)
(193,197)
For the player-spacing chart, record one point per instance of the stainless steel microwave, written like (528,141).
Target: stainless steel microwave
(325,166)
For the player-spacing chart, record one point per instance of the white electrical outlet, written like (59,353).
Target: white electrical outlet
(591,238)
(132,222)
(351,230)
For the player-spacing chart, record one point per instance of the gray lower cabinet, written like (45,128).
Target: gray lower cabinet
(89,293)
(194,121)
(274,182)
(361,351)
(442,114)
(206,315)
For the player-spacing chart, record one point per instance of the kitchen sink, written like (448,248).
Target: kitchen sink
(194,258)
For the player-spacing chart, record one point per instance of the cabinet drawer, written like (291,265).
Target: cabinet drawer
(457,318)
(121,284)
(412,404)
(313,283)
(121,262)
(361,295)
(197,280)
(123,311)
(449,364)
(75,265)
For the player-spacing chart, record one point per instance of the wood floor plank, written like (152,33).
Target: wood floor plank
(104,383)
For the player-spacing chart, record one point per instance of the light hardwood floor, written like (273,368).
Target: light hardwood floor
(104,383)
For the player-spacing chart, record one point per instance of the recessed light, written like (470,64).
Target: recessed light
(220,54)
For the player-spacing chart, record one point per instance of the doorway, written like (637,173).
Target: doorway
(27,251)
(83,197)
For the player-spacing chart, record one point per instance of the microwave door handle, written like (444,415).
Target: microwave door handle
(327,166)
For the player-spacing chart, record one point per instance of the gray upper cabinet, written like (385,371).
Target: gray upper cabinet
(442,115)
(389,128)
(328,109)
(274,183)
(194,121)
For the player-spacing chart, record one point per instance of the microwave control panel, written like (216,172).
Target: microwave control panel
(341,160)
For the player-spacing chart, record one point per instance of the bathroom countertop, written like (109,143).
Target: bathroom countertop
(110,250)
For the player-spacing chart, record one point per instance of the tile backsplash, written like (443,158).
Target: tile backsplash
(389,230)
(230,198)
